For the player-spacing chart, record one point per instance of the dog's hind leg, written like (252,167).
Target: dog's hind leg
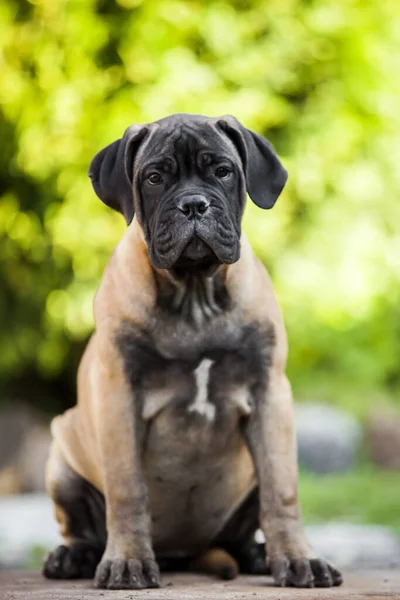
(80,511)
(238,537)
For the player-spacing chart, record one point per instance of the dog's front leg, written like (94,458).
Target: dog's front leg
(128,561)
(270,434)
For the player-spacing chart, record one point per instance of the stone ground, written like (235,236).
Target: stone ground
(20,585)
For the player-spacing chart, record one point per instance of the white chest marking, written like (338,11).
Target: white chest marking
(241,398)
(201,404)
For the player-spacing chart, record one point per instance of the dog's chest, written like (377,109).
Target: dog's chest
(202,380)
(196,397)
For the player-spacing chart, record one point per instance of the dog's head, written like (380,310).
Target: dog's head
(186,178)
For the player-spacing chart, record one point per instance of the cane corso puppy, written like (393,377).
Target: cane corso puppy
(182,443)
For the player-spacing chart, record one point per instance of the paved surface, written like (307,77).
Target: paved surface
(358,586)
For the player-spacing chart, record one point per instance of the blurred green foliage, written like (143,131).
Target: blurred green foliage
(319,78)
(365,496)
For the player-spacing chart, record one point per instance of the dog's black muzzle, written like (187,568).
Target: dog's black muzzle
(197,231)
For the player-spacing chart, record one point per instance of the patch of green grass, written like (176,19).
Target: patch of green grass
(365,495)
(35,557)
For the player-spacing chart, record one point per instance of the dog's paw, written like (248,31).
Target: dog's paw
(252,559)
(78,561)
(304,572)
(131,574)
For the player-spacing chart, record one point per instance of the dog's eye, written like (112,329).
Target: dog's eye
(222,172)
(154,178)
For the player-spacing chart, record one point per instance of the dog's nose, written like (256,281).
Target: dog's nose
(194,206)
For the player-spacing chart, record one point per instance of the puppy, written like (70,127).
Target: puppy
(182,443)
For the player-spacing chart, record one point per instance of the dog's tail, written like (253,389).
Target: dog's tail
(216,561)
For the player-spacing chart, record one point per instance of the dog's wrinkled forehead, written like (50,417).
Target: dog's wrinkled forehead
(183,138)
(114,169)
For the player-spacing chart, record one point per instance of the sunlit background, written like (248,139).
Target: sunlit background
(321,80)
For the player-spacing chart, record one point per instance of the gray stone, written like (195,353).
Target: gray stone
(382,438)
(24,446)
(327,438)
(351,546)
(26,522)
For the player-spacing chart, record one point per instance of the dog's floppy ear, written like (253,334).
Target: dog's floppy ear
(111,171)
(265,175)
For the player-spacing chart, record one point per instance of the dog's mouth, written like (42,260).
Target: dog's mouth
(196,246)
(197,256)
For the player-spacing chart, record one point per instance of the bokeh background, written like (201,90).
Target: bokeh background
(321,80)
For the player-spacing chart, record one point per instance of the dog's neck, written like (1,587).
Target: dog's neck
(191,294)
